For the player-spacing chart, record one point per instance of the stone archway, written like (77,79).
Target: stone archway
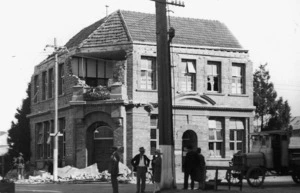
(100,139)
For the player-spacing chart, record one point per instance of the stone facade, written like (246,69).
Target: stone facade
(218,121)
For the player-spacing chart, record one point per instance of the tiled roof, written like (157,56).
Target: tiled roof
(127,26)
(188,31)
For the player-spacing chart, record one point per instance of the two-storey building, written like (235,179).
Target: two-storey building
(107,91)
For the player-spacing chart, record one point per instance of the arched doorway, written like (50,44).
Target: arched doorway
(189,138)
(99,142)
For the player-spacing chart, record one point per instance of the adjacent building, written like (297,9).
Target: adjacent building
(107,89)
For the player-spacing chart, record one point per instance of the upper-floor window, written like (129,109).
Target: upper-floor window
(188,75)
(60,78)
(44,84)
(94,72)
(236,135)
(50,83)
(35,88)
(216,137)
(238,79)
(213,76)
(148,73)
(153,133)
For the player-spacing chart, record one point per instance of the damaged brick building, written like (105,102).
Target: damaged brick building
(107,89)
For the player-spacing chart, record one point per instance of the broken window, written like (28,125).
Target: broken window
(188,75)
(238,77)
(94,72)
(148,73)
(213,76)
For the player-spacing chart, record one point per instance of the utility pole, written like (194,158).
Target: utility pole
(56,133)
(165,123)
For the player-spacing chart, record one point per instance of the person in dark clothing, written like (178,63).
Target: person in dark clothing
(200,170)
(140,163)
(157,162)
(114,168)
(189,167)
(50,167)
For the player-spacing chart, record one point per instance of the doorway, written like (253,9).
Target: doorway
(189,138)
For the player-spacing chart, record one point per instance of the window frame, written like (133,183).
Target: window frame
(188,74)
(214,152)
(50,83)
(44,85)
(61,72)
(235,79)
(35,88)
(39,141)
(235,140)
(152,70)
(154,117)
(218,76)
(62,139)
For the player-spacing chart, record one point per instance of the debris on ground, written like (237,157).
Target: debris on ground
(69,174)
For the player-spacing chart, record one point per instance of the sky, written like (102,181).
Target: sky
(269,29)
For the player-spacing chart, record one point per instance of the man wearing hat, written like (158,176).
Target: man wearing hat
(140,162)
(113,168)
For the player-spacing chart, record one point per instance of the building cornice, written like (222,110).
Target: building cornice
(215,108)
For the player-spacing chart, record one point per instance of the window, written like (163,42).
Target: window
(94,72)
(238,77)
(236,135)
(153,133)
(47,139)
(213,76)
(62,139)
(35,88)
(44,85)
(60,78)
(148,73)
(216,137)
(50,83)
(188,76)
(39,141)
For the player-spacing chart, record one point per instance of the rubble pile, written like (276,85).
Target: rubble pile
(69,174)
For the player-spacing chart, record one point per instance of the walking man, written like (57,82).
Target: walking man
(114,168)
(140,163)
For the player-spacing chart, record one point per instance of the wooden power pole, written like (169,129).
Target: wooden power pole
(165,123)
(56,134)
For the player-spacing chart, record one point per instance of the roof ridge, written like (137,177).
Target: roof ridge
(181,17)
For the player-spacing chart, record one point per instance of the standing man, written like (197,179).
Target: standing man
(200,170)
(140,162)
(114,168)
(189,167)
(20,164)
